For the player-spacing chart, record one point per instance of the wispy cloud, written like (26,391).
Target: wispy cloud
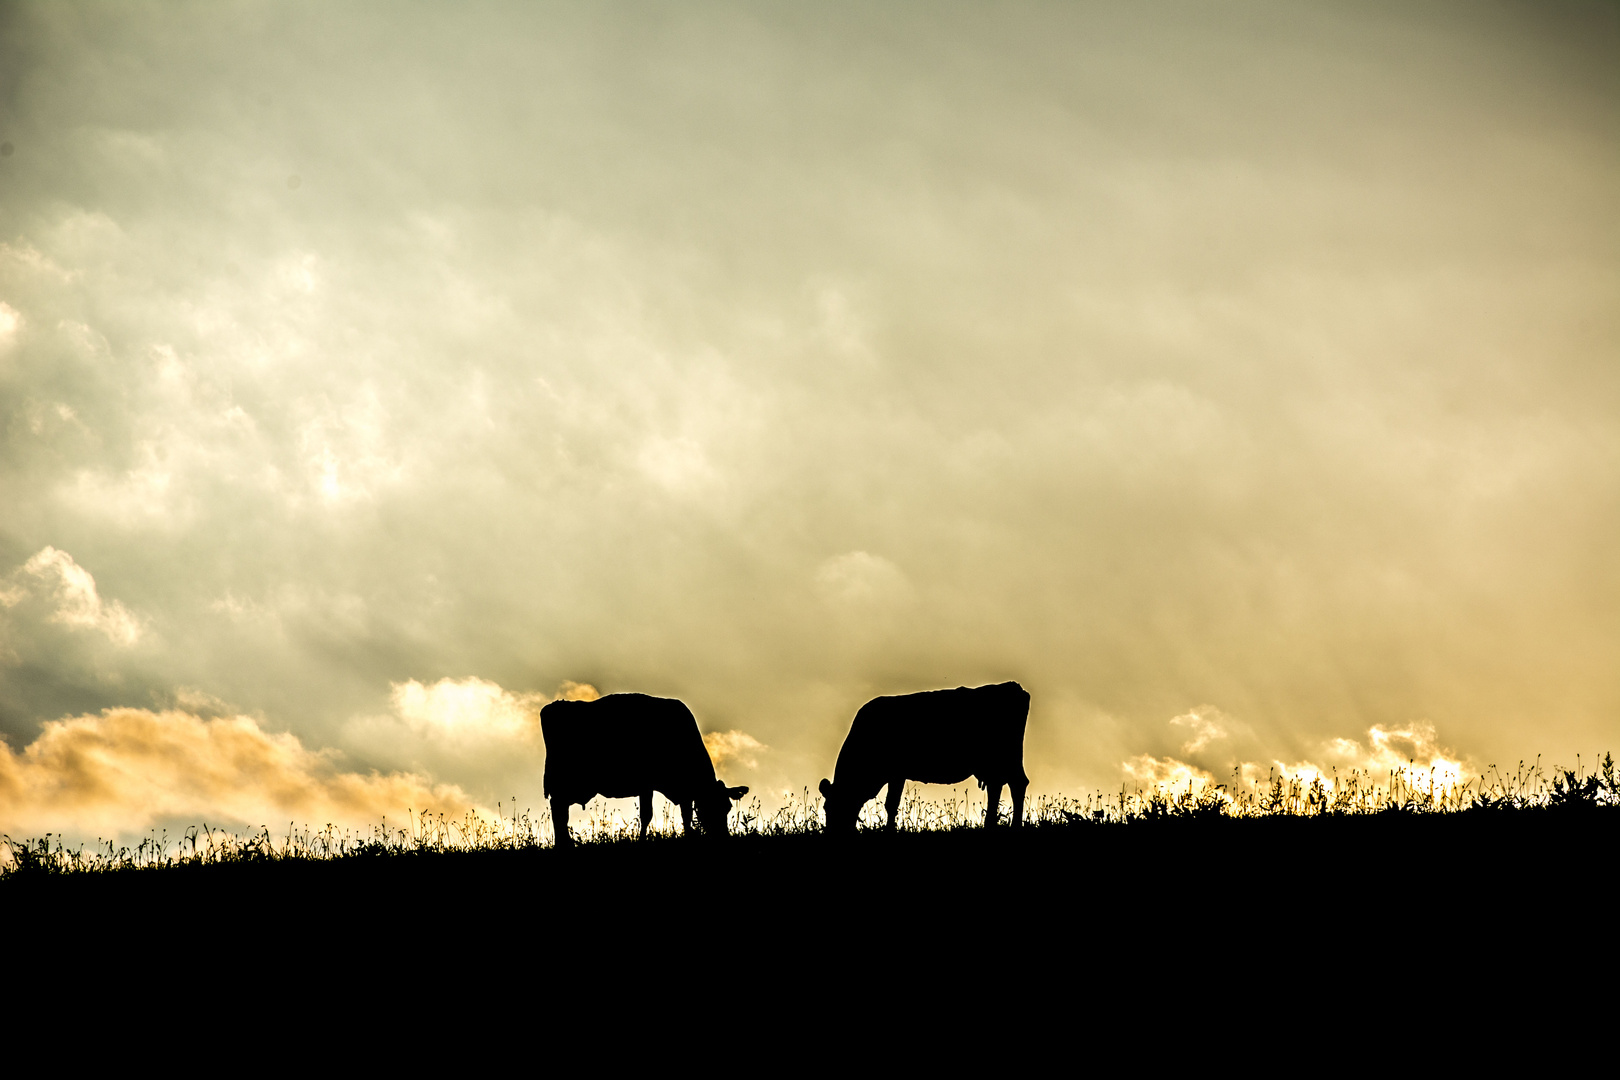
(1207,724)
(860,582)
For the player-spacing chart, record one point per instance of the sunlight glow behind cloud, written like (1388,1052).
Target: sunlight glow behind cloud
(733,746)
(1411,751)
(468,709)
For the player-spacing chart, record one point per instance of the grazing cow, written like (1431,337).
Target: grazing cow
(629,745)
(936,737)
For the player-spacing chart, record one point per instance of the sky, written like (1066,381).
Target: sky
(1242,379)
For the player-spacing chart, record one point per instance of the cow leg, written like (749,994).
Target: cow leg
(891,803)
(686,818)
(1017,788)
(992,804)
(646,812)
(559,820)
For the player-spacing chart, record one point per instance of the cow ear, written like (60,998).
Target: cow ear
(826,789)
(736,792)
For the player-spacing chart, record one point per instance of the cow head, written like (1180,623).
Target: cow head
(714,805)
(841,810)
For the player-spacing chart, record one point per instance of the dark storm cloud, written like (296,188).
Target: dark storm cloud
(1257,358)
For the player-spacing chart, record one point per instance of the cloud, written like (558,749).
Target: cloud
(577,691)
(1207,724)
(1150,771)
(467,710)
(124,770)
(1413,747)
(1411,750)
(860,580)
(738,746)
(487,737)
(679,465)
(473,710)
(71,590)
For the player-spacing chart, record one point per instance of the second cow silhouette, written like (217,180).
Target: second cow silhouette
(936,737)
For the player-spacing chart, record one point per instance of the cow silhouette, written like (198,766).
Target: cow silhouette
(629,746)
(936,737)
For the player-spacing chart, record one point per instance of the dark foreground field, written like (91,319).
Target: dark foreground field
(1282,906)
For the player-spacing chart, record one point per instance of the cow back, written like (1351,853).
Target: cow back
(937,736)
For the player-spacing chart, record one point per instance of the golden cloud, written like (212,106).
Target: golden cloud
(124,770)
(1168,772)
(577,691)
(1412,748)
(738,746)
(1412,751)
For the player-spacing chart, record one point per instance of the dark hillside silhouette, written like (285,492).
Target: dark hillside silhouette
(1141,922)
(935,737)
(627,746)
(1275,922)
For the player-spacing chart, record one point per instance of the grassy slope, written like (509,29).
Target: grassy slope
(1058,890)
(1241,941)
